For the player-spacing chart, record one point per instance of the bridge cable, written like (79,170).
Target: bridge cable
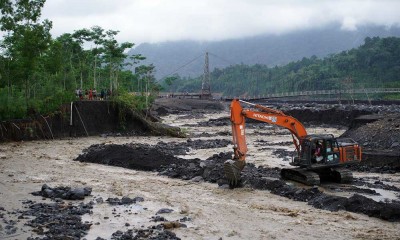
(184,65)
(231,63)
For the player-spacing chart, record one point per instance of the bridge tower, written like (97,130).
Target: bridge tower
(205,86)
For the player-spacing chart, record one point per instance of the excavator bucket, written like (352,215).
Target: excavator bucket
(232,169)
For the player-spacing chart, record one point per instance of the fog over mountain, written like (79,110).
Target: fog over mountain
(270,50)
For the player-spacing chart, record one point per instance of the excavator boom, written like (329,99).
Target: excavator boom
(233,167)
(267,115)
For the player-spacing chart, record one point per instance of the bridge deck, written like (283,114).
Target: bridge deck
(366,91)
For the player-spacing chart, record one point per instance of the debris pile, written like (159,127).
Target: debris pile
(379,137)
(132,156)
(382,134)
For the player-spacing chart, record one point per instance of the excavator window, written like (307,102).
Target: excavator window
(319,151)
(306,151)
(332,155)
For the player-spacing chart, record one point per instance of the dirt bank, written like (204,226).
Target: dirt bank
(84,118)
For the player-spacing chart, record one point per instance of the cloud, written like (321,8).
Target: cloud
(168,20)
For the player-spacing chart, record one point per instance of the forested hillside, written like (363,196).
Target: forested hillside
(270,50)
(374,64)
(38,72)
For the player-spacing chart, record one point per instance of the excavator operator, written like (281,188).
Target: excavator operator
(318,152)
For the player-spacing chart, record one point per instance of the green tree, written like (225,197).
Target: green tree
(26,39)
(39,73)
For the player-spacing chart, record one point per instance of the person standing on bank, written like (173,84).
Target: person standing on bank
(102,94)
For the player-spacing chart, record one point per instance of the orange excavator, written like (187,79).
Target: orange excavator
(317,157)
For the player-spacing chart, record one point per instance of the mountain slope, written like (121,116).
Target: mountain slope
(375,64)
(270,50)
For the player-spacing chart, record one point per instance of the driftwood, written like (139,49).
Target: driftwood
(157,128)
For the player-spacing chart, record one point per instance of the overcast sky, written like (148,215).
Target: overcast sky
(164,20)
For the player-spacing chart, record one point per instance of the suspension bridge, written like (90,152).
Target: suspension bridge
(205,93)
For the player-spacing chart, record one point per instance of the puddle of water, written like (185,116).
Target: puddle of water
(345,190)
(203,155)
(385,195)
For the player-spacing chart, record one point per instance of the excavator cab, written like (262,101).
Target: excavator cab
(317,151)
(333,153)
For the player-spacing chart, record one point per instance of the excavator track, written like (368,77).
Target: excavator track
(341,175)
(301,175)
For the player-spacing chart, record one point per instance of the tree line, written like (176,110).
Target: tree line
(38,72)
(375,64)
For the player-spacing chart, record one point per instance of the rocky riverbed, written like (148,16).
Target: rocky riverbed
(172,188)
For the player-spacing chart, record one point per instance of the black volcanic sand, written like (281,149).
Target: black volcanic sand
(63,220)
(59,220)
(55,220)
(165,106)
(153,158)
(153,233)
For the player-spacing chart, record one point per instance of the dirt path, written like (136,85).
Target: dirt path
(214,212)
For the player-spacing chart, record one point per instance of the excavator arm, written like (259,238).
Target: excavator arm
(234,167)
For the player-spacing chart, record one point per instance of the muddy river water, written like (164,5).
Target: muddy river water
(213,212)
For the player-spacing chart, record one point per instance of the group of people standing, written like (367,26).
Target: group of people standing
(92,94)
